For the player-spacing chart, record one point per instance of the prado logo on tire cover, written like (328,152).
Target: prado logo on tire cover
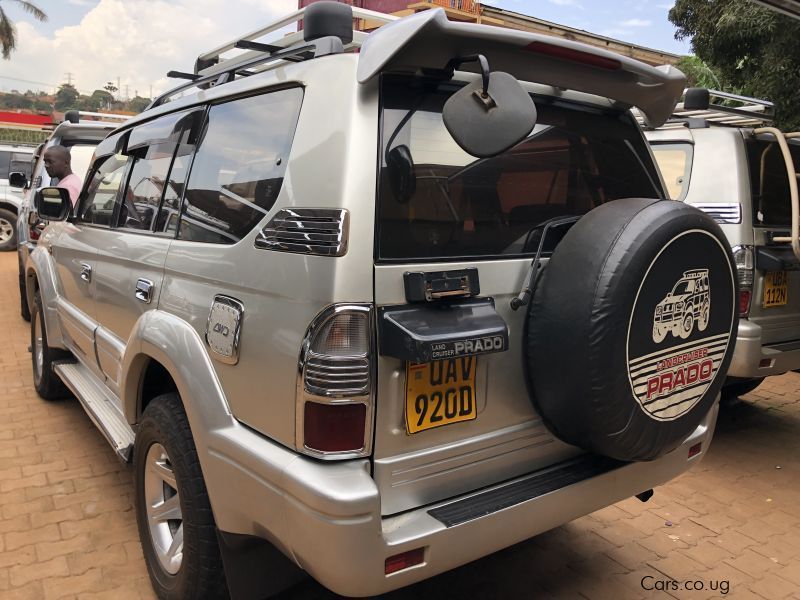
(676,343)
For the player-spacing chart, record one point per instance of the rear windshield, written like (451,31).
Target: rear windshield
(445,203)
(769,182)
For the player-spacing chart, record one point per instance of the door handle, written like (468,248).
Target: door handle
(86,272)
(144,288)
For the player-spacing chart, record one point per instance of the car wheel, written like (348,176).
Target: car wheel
(733,389)
(48,385)
(24,309)
(686,326)
(173,512)
(702,321)
(8,230)
(659,333)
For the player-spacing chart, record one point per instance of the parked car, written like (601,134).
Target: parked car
(13,158)
(307,302)
(80,137)
(721,154)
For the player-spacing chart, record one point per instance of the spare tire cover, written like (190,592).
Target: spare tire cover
(630,332)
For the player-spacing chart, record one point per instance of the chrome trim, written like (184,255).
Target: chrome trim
(725,213)
(367,398)
(226,303)
(318,231)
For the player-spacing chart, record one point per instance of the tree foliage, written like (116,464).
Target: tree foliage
(8,33)
(751,50)
(66,97)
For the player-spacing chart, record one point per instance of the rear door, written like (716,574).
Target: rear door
(460,213)
(775,304)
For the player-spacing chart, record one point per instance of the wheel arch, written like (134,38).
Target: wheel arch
(40,276)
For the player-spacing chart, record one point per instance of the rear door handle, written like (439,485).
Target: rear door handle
(144,289)
(86,272)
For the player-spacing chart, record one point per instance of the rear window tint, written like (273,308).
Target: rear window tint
(575,159)
(769,182)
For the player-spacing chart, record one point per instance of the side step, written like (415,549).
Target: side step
(520,490)
(99,404)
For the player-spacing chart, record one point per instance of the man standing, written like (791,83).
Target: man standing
(57,163)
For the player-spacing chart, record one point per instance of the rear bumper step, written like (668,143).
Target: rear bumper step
(498,498)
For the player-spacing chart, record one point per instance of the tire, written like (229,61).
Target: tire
(659,333)
(597,375)
(48,385)
(702,319)
(24,309)
(687,324)
(164,451)
(735,388)
(8,230)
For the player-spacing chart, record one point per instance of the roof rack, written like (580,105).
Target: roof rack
(323,23)
(74,116)
(697,109)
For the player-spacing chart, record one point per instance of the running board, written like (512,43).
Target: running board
(99,404)
(521,490)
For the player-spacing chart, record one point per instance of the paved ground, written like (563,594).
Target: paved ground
(67,527)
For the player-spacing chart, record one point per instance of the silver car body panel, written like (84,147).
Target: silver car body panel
(768,340)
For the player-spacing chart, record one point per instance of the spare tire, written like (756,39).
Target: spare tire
(631,330)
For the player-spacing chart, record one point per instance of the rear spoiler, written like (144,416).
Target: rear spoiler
(428,40)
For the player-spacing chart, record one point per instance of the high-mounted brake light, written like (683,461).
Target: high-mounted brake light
(334,395)
(576,56)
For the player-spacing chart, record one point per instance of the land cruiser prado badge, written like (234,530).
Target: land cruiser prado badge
(680,325)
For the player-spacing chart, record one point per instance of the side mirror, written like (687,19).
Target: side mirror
(696,99)
(490,115)
(53,203)
(400,168)
(17,179)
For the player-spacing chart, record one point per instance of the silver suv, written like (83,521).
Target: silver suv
(373,315)
(720,154)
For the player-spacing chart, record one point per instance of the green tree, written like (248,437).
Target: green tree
(66,97)
(42,106)
(8,33)
(752,50)
(138,104)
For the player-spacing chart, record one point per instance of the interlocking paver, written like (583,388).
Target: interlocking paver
(68,529)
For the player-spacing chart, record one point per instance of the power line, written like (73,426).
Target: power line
(69,77)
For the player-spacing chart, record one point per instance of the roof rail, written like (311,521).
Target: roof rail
(698,109)
(74,116)
(319,20)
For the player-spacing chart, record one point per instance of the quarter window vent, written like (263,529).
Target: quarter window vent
(318,231)
(722,212)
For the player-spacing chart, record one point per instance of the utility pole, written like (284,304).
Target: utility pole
(119,88)
(69,77)
(127,97)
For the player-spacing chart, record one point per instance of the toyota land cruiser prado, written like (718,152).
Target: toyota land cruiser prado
(725,158)
(373,315)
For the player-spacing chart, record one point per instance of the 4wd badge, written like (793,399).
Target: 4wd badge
(676,343)
(223,329)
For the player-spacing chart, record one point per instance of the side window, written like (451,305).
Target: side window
(675,163)
(153,147)
(97,207)
(5,162)
(239,166)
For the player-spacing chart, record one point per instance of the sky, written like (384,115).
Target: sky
(91,42)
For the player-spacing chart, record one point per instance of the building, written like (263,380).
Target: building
(473,11)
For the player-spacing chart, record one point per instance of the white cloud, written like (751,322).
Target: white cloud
(82,2)
(136,40)
(636,23)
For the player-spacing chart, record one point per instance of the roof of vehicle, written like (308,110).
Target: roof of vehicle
(428,40)
(16,148)
(90,131)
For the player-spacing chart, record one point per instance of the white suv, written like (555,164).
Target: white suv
(373,315)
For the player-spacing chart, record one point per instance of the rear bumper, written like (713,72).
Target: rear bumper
(327,518)
(749,354)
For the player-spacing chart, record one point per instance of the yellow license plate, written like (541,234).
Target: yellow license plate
(439,393)
(776,288)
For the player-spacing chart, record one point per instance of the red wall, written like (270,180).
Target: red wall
(24,118)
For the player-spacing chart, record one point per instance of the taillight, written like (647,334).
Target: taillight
(33,233)
(335,390)
(743,258)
